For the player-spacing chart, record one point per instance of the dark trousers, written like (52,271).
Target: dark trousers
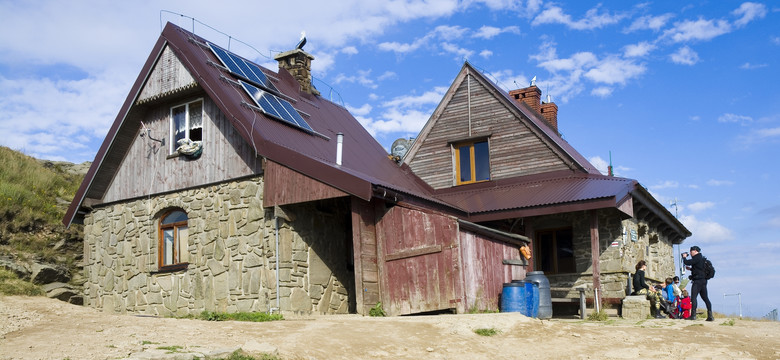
(699,288)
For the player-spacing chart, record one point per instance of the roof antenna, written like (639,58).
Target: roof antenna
(302,42)
(533,81)
(609,169)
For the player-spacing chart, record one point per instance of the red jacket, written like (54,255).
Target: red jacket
(685,304)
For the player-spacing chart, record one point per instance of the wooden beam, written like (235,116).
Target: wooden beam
(594,253)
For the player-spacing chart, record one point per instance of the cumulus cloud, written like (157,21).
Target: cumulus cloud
(459,52)
(706,231)
(748,12)
(757,136)
(489,32)
(361,77)
(349,50)
(486,53)
(601,91)
(593,18)
(697,30)
(603,166)
(614,70)
(734,118)
(638,50)
(649,22)
(701,206)
(685,56)
(442,33)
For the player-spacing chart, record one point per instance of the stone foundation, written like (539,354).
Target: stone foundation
(636,307)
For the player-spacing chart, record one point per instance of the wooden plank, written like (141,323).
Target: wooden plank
(413,252)
(284,186)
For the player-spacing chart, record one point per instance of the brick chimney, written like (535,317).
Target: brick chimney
(298,63)
(550,112)
(530,95)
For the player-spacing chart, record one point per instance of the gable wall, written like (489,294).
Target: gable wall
(514,149)
(147,169)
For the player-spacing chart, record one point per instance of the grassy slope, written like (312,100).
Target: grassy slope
(33,198)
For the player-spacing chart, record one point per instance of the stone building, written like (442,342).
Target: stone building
(225,186)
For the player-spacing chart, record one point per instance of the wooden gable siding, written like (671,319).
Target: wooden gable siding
(483,270)
(168,76)
(418,261)
(284,186)
(146,168)
(515,150)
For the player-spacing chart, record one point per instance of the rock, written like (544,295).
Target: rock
(64,292)
(45,274)
(20,270)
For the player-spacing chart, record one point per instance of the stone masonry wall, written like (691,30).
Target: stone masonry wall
(615,261)
(231,253)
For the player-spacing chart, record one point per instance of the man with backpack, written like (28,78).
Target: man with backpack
(700,273)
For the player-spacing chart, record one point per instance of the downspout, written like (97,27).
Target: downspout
(276,235)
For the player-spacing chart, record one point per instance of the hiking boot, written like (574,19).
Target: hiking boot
(658,314)
(709,316)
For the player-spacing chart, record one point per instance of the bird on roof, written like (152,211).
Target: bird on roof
(302,41)
(533,81)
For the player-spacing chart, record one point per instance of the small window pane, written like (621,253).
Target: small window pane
(175,217)
(179,115)
(481,161)
(465,163)
(168,247)
(196,115)
(183,244)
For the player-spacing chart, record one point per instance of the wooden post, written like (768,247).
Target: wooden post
(594,254)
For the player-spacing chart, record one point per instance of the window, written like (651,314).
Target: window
(472,162)
(555,251)
(172,252)
(186,123)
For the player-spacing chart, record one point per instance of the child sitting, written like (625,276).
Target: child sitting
(685,305)
(669,300)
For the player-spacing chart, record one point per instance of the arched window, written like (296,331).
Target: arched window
(172,252)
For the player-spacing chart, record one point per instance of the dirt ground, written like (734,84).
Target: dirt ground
(41,328)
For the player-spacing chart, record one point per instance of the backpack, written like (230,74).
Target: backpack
(709,270)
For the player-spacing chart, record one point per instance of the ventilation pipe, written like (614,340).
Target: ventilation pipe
(339,147)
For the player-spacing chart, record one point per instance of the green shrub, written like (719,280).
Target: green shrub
(601,315)
(377,310)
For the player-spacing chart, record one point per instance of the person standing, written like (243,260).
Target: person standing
(699,287)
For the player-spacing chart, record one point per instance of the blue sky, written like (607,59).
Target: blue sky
(683,94)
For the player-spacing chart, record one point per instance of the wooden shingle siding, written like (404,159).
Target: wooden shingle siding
(168,76)
(285,186)
(146,168)
(515,150)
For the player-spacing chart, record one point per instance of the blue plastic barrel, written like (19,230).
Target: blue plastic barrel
(531,299)
(513,297)
(544,301)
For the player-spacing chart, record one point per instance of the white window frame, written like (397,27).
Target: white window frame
(188,126)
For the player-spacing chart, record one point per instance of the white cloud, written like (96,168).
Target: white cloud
(649,22)
(714,182)
(592,20)
(361,111)
(600,164)
(698,30)
(442,33)
(349,50)
(489,32)
(668,184)
(748,12)
(701,206)
(734,118)
(638,50)
(361,77)
(486,53)
(613,70)
(601,91)
(749,66)
(706,231)
(685,56)
(406,113)
(460,53)
(757,136)
(387,75)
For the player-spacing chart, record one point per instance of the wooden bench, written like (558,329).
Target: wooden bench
(571,300)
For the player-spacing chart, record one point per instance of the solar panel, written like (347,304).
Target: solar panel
(275,106)
(242,68)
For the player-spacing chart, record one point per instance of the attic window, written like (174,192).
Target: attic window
(472,162)
(186,124)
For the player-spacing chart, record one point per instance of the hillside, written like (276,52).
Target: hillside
(35,248)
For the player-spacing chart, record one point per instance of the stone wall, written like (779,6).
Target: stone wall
(231,253)
(615,261)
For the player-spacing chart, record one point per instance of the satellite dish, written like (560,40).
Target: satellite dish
(400,147)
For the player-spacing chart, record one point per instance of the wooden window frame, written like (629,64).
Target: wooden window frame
(188,126)
(176,263)
(473,162)
(556,266)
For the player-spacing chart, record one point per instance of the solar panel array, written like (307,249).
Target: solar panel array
(244,69)
(275,106)
(260,88)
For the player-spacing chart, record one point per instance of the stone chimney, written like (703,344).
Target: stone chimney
(298,63)
(532,96)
